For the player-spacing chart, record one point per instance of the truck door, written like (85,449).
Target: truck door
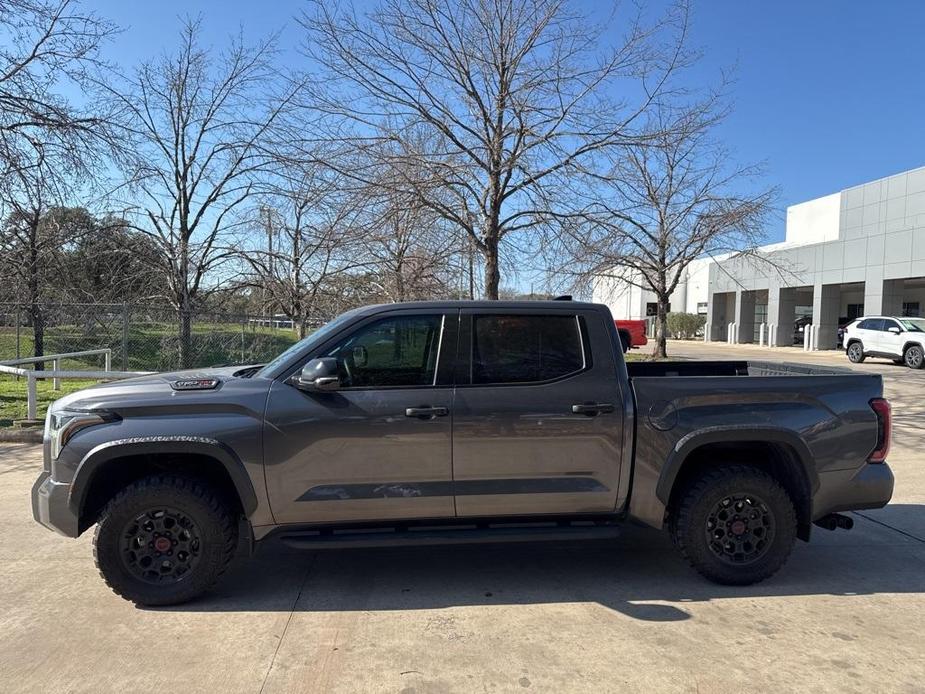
(538,414)
(378,447)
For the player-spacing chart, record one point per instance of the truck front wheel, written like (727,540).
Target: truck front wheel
(735,524)
(164,540)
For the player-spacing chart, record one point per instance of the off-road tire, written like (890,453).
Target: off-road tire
(688,524)
(216,530)
(855,353)
(914,357)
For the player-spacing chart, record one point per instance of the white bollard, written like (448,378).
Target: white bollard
(761,329)
(55,382)
(706,331)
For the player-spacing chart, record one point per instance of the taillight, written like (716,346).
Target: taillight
(881,407)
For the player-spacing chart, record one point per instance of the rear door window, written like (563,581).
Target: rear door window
(871,324)
(525,348)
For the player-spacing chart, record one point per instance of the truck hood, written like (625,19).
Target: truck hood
(157,391)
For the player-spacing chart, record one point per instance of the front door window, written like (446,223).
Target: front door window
(392,352)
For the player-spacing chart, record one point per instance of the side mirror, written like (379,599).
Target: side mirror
(894,330)
(319,375)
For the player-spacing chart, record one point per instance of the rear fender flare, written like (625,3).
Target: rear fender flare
(702,437)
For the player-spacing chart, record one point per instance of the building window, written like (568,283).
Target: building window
(855,311)
(702,308)
(652,309)
(911,309)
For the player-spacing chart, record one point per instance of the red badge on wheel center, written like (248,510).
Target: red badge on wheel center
(162,544)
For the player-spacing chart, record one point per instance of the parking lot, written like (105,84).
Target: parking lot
(845,615)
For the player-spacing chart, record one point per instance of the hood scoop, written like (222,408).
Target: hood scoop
(195,384)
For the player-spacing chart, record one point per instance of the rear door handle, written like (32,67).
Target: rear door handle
(592,408)
(427,412)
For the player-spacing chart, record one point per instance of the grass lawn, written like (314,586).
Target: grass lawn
(13,396)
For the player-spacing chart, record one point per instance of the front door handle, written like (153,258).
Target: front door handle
(427,412)
(592,408)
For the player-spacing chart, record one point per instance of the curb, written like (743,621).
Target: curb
(9,435)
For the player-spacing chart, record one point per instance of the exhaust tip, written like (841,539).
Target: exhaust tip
(835,520)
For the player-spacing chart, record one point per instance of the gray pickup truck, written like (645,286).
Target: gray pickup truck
(442,422)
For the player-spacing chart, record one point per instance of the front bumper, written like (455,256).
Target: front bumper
(50,505)
(870,486)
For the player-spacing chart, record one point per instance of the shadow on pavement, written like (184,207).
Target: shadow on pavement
(638,575)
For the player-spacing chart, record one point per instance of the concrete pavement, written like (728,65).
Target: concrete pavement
(845,615)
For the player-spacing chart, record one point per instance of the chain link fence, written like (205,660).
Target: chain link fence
(142,338)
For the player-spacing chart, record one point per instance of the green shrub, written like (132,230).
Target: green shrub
(685,326)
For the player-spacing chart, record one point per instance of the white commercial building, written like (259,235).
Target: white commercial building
(857,252)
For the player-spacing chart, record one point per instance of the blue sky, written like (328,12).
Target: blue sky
(828,93)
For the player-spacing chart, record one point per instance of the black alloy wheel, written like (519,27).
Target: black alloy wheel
(161,546)
(740,529)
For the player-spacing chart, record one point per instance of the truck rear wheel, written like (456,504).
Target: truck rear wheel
(735,524)
(164,540)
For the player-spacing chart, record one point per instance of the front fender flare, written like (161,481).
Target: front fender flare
(97,457)
(726,434)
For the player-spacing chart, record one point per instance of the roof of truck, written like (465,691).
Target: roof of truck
(548,304)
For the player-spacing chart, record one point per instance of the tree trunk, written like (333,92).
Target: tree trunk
(186,335)
(36,315)
(492,271)
(661,329)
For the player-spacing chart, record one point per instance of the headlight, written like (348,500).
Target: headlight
(61,425)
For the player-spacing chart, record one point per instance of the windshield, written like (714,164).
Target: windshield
(913,325)
(316,337)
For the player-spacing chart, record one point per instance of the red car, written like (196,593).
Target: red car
(632,333)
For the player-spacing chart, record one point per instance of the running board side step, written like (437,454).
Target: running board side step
(443,535)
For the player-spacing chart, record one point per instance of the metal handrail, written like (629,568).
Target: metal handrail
(31,375)
(55,357)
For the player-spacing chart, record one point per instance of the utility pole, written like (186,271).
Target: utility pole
(271,264)
(471,270)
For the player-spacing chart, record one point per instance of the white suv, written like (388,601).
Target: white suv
(899,339)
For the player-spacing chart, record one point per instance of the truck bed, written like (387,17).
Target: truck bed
(650,369)
(820,415)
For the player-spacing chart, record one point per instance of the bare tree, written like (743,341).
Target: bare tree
(518,98)
(670,201)
(412,247)
(411,252)
(309,232)
(196,122)
(45,44)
